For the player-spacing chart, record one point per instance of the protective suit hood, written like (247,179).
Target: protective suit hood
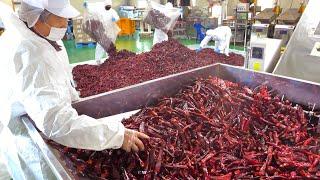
(31,10)
(108,3)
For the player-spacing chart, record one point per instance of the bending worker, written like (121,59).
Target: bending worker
(221,35)
(160,36)
(40,80)
(109,16)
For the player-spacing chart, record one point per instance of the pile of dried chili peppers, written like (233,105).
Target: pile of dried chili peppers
(214,129)
(116,55)
(125,68)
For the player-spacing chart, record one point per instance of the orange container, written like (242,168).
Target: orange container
(127,26)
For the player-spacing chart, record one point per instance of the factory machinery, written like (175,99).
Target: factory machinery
(270,35)
(301,58)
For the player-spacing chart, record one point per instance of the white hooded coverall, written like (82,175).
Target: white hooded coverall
(37,82)
(221,36)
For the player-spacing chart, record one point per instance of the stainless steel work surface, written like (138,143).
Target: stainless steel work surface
(144,94)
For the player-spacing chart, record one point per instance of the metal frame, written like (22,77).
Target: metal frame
(144,94)
(56,167)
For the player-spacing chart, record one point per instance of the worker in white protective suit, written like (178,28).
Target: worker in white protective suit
(160,36)
(221,35)
(108,16)
(37,80)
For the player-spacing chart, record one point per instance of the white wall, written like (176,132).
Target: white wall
(7,2)
(78,3)
(283,3)
(265,4)
(287,3)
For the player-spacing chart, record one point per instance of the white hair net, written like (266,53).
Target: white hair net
(30,12)
(108,2)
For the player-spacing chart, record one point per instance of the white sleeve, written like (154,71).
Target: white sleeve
(211,32)
(205,41)
(47,101)
(115,14)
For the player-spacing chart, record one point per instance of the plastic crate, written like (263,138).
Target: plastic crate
(88,44)
(127,26)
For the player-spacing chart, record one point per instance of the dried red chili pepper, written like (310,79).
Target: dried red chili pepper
(125,68)
(254,138)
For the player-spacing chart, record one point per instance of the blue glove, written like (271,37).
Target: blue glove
(198,50)
(217,50)
(113,19)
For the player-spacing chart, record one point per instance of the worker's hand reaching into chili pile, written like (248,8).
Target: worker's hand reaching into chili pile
(132,140)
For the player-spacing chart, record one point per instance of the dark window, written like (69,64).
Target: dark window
(259,30)
(257,53)
(283,32)
(185,3)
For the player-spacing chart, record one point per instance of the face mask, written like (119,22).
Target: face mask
(108,8)
(56,34)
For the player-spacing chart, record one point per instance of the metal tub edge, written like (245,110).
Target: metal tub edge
(146,93)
